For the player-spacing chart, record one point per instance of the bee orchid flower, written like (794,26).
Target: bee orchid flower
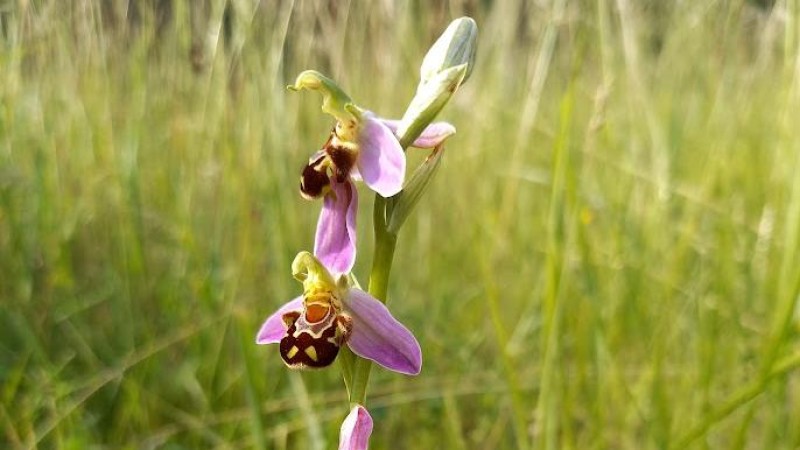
(311,329)
(361,147)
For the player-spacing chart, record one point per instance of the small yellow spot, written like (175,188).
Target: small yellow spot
(292,351)
(312,353)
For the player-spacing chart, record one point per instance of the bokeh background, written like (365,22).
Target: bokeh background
(609,256)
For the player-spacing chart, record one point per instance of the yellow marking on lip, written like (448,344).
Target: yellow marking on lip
(293,351)
(312,353)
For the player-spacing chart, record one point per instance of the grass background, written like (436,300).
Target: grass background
(609,256)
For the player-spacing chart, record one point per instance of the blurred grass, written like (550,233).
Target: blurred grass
(609,257)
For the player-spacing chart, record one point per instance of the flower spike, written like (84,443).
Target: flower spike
(333,310)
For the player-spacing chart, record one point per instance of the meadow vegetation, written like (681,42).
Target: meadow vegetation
(609,256)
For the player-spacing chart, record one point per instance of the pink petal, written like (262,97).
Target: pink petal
(381,161)
(274,329)
(335,242)
(356,428)
(378,336)
(433,135)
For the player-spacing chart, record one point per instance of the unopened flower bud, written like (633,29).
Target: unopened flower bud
(446,66)
(456,46)
(430,99)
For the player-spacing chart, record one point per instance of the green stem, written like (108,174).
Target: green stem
(384,252)
(378,287)
(355,369)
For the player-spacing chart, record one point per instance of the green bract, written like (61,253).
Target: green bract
(413,190)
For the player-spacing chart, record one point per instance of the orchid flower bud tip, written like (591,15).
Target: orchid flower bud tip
(456,46)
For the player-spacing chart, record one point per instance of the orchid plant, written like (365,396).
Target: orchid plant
(333,317)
